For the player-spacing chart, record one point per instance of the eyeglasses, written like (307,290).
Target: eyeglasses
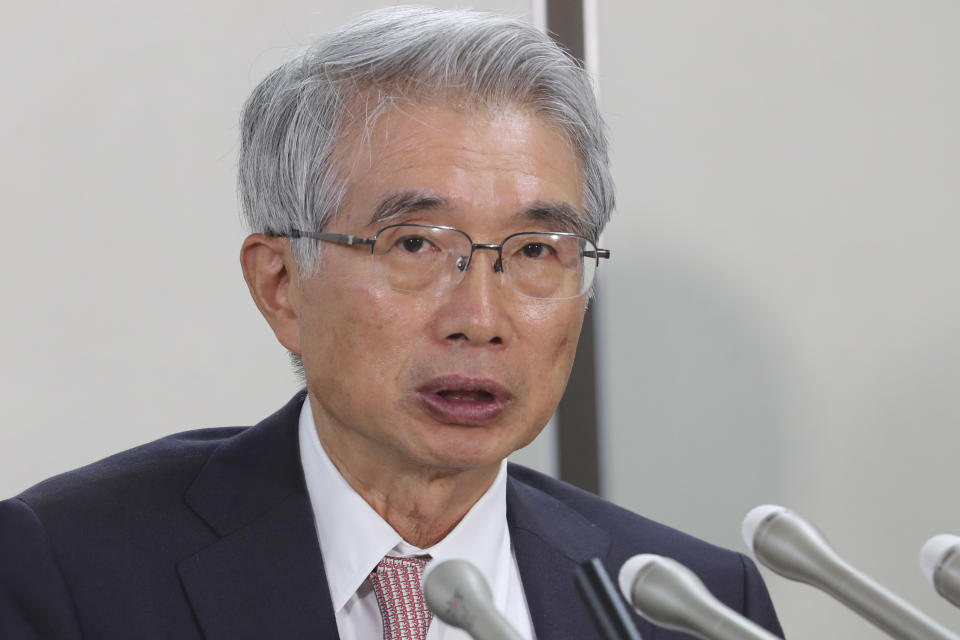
(434,259)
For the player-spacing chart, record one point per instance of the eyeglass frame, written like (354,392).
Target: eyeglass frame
(352,240)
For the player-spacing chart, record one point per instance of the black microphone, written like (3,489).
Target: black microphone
(458,594)
(940,563)
(672,596)
(604,602)
(794,548)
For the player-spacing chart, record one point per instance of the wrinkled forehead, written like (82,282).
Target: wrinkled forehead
(382,132)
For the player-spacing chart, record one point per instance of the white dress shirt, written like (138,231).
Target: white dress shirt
(354,538)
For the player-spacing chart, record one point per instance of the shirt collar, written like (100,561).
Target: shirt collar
(354,538)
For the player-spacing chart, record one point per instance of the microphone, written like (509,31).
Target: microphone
(940,563)
(792,547)
(458,594)
(605,604)
(672,596)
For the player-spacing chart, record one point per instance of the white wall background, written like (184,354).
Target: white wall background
(781,318)
(779,322)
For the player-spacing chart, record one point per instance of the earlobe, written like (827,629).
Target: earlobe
(271,275)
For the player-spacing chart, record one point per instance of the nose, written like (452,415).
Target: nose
(476,310)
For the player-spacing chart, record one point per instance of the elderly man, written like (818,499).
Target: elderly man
(425,191)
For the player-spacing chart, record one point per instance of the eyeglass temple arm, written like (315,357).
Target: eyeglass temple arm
(599,253)
(339,238)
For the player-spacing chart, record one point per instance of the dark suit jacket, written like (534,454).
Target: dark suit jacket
(210,534)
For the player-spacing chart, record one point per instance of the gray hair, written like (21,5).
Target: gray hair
(294,121)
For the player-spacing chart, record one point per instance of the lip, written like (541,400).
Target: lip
(439,398)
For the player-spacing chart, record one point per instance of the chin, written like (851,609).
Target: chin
(455,446)
(465,455)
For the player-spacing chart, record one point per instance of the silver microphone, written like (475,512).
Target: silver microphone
(792,547)
(940,563)
(458,594)
(672,596)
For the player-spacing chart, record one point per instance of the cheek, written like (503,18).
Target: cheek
(559,326)
(369,332)
(552,335)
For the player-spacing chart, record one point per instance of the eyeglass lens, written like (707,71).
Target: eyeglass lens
(538,265)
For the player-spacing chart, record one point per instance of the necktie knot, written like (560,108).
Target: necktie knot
(396,583)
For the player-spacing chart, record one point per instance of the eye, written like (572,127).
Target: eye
(537,250)
(414,244)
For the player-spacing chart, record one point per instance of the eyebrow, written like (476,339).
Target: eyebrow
(405,202)
(559,215)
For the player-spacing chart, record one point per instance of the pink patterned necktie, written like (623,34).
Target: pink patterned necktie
(396,583)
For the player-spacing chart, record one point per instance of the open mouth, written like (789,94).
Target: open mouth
(461,400)
(466,395)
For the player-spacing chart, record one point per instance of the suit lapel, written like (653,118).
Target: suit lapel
(264,577)
(551,540)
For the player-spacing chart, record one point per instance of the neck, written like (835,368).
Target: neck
(422,510)
(423,504)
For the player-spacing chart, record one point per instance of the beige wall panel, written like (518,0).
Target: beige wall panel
(779,322)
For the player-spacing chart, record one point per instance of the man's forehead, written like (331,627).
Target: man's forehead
(433,161)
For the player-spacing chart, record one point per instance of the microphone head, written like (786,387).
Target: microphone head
(629,572)
(664,591)
(456,591)
(669,594)
(934,552)
(756,517)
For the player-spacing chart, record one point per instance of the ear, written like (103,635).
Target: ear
(271,274)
